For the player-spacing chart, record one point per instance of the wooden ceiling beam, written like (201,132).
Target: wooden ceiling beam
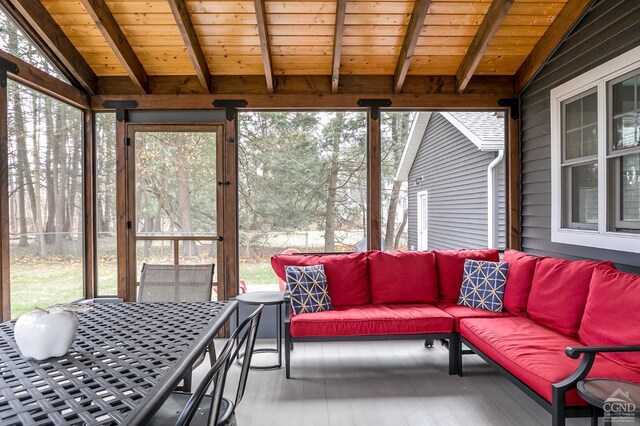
(488,28)
(419,14)
(106,23)
(42,24)
(341,101)
(341,9)
(188,32)
(42,81)
(263,32)
(566,20)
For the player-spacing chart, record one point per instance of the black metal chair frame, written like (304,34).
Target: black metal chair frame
(557,408)
(245,334)
(451,338)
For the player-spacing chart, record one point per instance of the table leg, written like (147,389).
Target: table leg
(279,335)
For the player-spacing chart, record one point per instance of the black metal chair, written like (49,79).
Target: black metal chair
(178,283)
(200,408)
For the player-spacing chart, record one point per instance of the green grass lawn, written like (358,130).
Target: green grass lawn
(44,283)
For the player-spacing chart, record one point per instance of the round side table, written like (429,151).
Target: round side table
(266,298)
(616,398)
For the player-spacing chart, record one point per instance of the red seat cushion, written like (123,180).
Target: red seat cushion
(450,265)
(347,275)
(559,293)
(461,312)
(403,277)
(519,278)
(373,320)
(612,314)
(535,354)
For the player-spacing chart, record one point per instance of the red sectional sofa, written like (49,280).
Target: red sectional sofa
(555,312)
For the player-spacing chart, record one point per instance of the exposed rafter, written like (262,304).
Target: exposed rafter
(263,31)
(45,27)
(490,24)
(188,32)
(337,44)
(35,78)
(420,9)
(568,17)
(106,23)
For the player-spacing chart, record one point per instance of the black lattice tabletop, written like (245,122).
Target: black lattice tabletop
(124,363)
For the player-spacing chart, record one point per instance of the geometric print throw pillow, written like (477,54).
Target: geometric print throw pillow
(483,284)
(308,288)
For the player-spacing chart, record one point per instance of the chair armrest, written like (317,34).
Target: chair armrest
(588,357)
(578,350)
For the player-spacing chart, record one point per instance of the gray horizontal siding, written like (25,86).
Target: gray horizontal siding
(610,28)
(455,174)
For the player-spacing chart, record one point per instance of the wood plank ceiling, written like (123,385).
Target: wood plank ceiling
(453,38)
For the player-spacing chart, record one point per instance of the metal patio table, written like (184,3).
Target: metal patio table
(124,363)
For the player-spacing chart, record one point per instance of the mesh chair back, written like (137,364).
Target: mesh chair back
(176,283)
(244,337)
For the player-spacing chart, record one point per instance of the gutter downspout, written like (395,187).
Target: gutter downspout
(492,205)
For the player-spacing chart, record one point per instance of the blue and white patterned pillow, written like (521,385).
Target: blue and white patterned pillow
(483,284)
(308,287)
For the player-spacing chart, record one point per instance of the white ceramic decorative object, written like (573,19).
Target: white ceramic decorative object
(43,334)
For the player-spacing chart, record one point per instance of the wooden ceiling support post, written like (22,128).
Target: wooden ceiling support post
(513,173)
(263,32)
(341,9)
(106,23)
(228,271)
(49,32)
(125,241)
(490,24)
(5,291)
(566,20)
(419,14)
(188,33)
(374,171)
(89,197)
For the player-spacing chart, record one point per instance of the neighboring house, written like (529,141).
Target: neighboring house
(455,168)
(597,63)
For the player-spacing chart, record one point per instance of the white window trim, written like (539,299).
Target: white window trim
(598,78)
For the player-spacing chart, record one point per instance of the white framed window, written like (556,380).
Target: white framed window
(595,157)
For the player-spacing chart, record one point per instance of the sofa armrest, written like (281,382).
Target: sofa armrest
(588,357)
(575,352)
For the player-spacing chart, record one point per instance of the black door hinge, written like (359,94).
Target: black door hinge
(127,141)
(128,224)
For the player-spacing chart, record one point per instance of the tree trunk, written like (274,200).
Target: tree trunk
(37,215)
(59,182)
(332,193)
(21,148)
(392,210)
(75,182)
(50,173)
(396,240)
(184,205)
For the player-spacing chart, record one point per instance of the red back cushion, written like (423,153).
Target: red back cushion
(559,293)
(347,274)
(450,266)
(520,275)
(403,277)
(612,314)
